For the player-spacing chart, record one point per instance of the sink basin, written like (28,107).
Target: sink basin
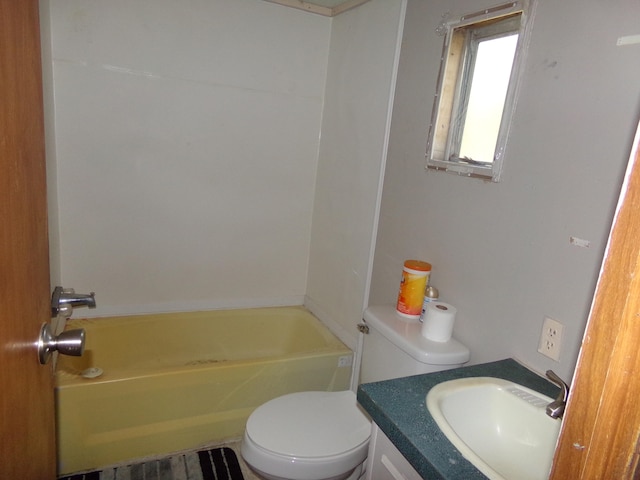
(499,426)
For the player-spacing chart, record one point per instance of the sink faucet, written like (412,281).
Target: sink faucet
(556,408)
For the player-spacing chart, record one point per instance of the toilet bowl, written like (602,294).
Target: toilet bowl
(325,435)
(307,436)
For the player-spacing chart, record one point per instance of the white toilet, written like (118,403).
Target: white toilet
(325,435)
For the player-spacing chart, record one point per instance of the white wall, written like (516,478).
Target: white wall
(187,137)
(501,252)
(360,82)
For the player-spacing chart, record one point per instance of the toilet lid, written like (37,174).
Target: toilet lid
(309,424)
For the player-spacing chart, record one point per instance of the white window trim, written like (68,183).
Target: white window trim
(491,172)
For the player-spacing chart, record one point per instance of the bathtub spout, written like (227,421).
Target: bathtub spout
(63,301)
(79,300)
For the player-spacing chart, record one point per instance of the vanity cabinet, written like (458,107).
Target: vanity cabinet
(385,462)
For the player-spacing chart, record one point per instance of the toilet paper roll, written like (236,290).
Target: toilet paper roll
(438,321)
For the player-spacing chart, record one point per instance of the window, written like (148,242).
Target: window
(476,91)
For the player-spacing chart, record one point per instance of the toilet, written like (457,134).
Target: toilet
(325,435)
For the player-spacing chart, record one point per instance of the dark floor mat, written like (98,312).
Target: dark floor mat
(214,464)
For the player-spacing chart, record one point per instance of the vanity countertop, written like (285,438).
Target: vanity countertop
(399,408)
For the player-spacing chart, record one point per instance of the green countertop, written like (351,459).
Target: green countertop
(399,408)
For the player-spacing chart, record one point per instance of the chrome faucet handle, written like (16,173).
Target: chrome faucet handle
(556,408)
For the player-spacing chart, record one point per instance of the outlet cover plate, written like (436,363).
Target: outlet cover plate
(551,338)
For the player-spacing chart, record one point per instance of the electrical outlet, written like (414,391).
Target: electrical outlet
(551,338)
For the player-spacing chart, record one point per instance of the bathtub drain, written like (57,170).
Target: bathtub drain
(92,372)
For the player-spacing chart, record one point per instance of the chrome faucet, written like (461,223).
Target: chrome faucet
(63,301)
(556,408)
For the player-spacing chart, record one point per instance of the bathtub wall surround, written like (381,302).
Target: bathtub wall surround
(153,384)
(360,84)
(188,140)
(186,137)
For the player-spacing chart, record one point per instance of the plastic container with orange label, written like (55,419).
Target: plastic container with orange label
(415,277)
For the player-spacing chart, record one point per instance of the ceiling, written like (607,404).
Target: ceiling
(329,8)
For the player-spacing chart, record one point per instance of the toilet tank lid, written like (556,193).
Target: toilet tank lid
(406,334)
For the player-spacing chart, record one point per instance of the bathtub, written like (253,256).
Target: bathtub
(171,382)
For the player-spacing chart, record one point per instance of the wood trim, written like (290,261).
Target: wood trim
(348,5)
(600,432)
(319,9)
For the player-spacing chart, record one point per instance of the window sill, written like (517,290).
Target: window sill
(465,170)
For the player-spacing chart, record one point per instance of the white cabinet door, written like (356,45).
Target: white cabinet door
(385,462)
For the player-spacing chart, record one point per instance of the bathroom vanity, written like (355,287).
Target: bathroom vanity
(406,442)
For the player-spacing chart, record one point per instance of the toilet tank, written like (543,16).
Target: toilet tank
(394,347)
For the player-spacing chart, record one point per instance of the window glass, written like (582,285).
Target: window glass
(487,95)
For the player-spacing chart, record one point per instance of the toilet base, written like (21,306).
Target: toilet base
(282,468)
(356,474)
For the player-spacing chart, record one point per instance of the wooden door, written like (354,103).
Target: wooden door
(601,431)
(27,432)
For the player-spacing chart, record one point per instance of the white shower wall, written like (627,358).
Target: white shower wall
(186,143)
(193,144)
(360,83)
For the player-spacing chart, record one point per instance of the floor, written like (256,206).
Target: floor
(233,444)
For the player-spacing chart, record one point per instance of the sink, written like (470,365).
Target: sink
(499,426)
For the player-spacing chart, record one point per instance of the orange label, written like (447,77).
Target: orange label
(411,293)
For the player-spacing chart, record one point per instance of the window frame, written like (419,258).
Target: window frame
(447,100)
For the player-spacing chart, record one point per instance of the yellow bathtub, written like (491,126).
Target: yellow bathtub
(174,381)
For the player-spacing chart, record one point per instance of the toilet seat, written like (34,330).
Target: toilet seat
(309,424)
(307,435)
